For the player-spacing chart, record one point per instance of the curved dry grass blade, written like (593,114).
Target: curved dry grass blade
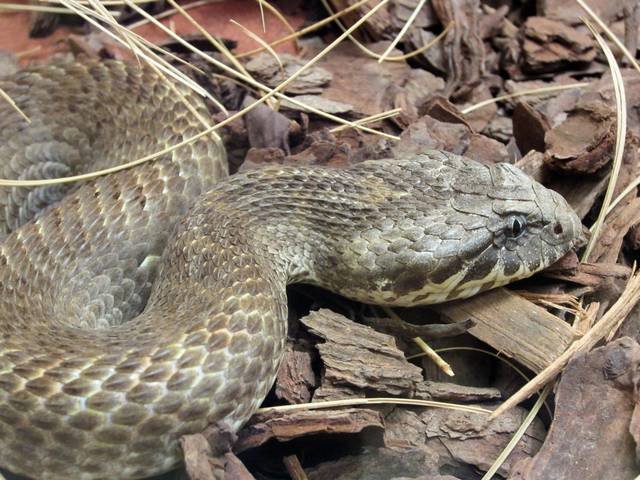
(264,23)
(491,354)
(375,401)
(276,13)
(370,119)
(621,133)
(296,34)
(168,13)
(397,58)
(532,91)
(264,44)
(403,31)
(425,47)
(10,101)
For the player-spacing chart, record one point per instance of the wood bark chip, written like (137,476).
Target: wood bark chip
(583,143)
(570,12)
(429,132)
(379,464)
(586,274)
(208,456)
(413,95)
(290,425)
(529,127)
(198,458)
(386,84)
(266,69)
(357,356)
(549,45)
(235,469)
(296,378)
(616,227)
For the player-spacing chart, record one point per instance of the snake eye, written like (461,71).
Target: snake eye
(515,226)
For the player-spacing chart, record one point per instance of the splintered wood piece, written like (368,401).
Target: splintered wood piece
(512,325)
(289,425)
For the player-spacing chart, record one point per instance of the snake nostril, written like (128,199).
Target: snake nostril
(557,229)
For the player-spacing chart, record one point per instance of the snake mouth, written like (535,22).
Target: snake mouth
(582,239)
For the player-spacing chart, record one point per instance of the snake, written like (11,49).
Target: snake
(144,305)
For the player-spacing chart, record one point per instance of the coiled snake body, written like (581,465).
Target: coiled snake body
(150,303)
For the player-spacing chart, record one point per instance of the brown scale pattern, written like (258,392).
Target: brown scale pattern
(151,303)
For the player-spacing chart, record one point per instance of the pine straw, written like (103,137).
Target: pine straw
(374,401)
(504,454)
(89,16)
(373,118)
(398,58)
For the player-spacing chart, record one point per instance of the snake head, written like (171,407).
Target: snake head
(527,228)
(450,228)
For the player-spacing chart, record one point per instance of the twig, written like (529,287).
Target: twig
(434,357)
(532,91)
(294,468)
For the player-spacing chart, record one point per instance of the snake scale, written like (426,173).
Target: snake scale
(147,304)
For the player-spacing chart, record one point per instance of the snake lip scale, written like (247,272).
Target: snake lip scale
(150,303)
